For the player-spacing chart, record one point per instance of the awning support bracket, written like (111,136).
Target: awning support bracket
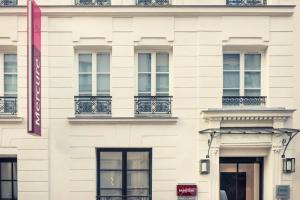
(212,136)
(287,142)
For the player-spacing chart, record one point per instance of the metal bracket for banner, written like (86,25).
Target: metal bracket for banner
(286,143)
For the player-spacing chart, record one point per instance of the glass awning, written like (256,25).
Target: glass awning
(250,130)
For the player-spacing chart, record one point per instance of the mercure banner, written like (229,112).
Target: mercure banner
(34,67)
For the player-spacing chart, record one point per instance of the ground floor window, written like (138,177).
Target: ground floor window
(241,178)
(8,179)
(124,174)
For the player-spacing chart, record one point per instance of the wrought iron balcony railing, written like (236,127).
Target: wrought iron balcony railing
(153,105)
(8,2)
(8,105)
(123,198)
(92,2)
(244,101)
(92,105)
(153,2)
(246,2)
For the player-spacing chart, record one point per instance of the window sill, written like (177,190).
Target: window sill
(10,119)
(104,120)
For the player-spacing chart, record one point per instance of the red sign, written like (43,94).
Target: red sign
(186,190)
(34,67)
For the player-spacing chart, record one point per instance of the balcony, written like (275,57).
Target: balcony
(8,3)
(246,2)
(123,198)
(92,105)
(244,101)
(92,2)
(153,2)
(153,105)
(8,105)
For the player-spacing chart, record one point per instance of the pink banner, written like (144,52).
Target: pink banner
(34,67)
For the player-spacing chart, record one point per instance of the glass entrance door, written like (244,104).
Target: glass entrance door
(241,178)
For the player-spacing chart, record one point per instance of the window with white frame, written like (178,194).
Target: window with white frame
(94,74)
(153,73)
(242,74)
(9,71)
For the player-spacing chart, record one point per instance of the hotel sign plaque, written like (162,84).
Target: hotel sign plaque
(282,192)
(186,192)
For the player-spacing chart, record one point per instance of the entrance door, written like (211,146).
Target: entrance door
(241,178)
(234,184)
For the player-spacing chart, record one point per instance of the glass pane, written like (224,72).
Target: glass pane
(85,84)
(10,83)
(137,179)
(162,83)
(103,62)
(137,192)
(15,171)
(255,93)
(252,181)
(85,63)
(10,63)
(145,83)
(111,192)
(231,61)
(252,61)
(6,173)
(137,160)
(230,167)
(144,60)
(111,160)
(103,85)
(111,179)
(162,62)
(6,189)
(15,190)
(252,79)
(231,92)
(231,80)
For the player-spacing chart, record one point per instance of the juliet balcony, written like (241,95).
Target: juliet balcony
(153,105)
(244,101)
(92,105)
(8,3)
(153,2)
(8,105)
(246,2)
(92,2)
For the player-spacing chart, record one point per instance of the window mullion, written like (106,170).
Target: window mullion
(124,173)
(2,75)
(242,74)
(153,74)
(94,74)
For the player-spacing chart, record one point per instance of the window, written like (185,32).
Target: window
(153,83)
(8,88)
(94,74)
(92,2)
(242,74)
(94,84)
(8,179)
(124,174)
(246,2)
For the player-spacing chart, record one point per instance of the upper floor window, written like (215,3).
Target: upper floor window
(8,2)
(153,83)
(242,76)
(8,179)
(94,83)
(124,174)
(246,2)
(8,90)
(92,2)
(153,2)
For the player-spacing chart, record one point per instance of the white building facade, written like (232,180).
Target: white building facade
(136,93)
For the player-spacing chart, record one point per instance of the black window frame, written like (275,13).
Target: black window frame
(124,152)
(12,180)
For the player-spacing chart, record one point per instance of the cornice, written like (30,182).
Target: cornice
(175,10)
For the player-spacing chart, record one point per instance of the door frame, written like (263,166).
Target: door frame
(244,160)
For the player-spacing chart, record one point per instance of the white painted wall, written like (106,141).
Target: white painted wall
(61,164)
